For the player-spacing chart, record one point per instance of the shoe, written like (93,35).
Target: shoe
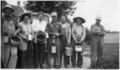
(73,65)
(79,66)
(57,66)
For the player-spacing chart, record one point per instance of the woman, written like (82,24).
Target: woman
(26,33)
(39,26)
(65,39)
(78,34)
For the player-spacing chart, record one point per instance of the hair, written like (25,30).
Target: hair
(64,16)
(40,12)
(22,16)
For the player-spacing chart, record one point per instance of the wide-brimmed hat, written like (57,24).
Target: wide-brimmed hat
(82,19)
(8,7)
(24,14)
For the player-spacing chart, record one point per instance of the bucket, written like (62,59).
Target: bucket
(30,37)
(5,39)
(15,41)
(53,49)
(68,51)
(78,48)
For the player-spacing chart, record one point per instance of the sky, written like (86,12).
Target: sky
(109,10)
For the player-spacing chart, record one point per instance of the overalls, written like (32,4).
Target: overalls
(96,45)
(66,34)
(52,28)
(8,52)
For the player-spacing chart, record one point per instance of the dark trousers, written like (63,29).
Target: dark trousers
(76,56)
(27,57)
(39,54)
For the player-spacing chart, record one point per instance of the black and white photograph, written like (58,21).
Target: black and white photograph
(60,34)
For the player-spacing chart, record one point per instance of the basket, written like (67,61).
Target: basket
(41,37)
(68,51)
(78,48)
(15,41)
(53,49)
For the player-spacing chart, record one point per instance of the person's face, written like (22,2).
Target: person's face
(63,19)
(79,21)
(40,17)
(54,18)
(98,21)
(46,18)
(26,18)
(8,11)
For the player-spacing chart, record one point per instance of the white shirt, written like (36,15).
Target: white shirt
(39,25)
(26,28)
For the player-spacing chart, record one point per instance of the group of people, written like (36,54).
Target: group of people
(35,43)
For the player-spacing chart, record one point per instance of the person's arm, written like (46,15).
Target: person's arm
(69,31)
(92,30)
(102,33)
(60,30)
(73,33)
(48,29)
(18,29)
(84,35)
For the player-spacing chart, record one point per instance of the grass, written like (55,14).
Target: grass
(110,56)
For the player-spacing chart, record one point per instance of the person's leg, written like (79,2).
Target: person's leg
(79,59)
(94,48)
(66,60)
(5,54)
(42,54)
(49,53)
(73,57)
(29,55)
(100,51)
(23,59)
(13,57)
(58,51)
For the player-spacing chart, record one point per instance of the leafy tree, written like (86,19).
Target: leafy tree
(61,7)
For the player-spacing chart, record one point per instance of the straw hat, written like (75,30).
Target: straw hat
(82,19)
(8,7)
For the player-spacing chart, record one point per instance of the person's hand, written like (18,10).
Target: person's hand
(101,34)
(57,34)
(68,41)
(15,33)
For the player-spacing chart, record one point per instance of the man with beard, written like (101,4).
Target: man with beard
(9,26)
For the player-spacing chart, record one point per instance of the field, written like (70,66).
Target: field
(111,51)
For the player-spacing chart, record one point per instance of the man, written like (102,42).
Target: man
(9,26)
(66,38)
(54,32)
(39,25)
(98,32)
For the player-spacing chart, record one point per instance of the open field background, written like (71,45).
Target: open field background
(111,51)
